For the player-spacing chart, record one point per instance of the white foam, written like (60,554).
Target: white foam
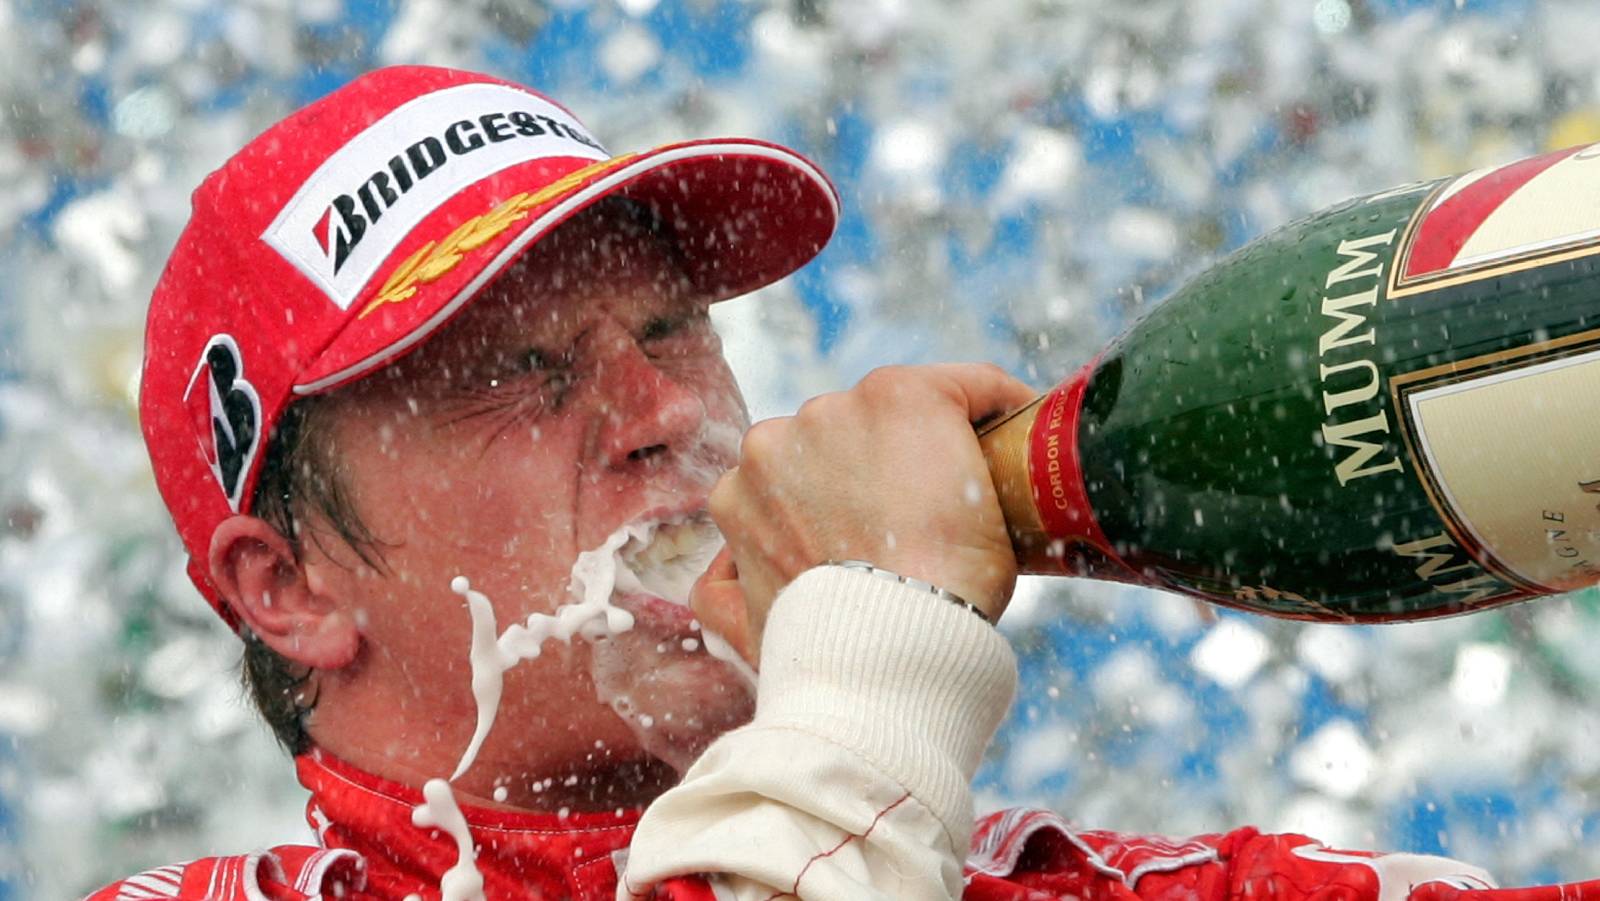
(489,664)
(592,616)
(664,562)
(723,650)
(462,882)
(597,575)
(674,559)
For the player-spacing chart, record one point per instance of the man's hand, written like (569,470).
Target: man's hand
(888,472)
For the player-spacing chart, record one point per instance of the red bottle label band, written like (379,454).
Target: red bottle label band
(1493,221)
(1056,472)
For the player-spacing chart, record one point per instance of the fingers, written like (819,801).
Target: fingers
(851,476)
(987,389)
(982,389)
(718,602)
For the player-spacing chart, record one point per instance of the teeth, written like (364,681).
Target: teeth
(669,541)
(673,556)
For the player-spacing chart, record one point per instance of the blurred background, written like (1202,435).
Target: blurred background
(1021,179)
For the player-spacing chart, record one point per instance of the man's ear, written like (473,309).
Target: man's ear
(255,570)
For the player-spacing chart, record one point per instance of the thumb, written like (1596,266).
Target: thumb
(718,602)
(983,388)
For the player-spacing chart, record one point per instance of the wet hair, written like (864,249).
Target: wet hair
(300,477)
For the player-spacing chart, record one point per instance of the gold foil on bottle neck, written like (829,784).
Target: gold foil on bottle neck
(1006,447)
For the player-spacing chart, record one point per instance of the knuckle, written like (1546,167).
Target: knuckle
(993,370)
(885,380)
(762,440)
(822,407)
(884,375)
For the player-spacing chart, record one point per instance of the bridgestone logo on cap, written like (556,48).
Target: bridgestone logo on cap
(363,200)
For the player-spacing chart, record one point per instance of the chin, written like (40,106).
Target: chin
(675,702)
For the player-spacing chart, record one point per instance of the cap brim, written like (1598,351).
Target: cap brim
(745,213)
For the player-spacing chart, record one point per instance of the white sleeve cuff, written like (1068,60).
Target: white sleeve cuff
(914,684)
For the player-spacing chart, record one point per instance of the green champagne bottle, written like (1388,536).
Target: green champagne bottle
(1388,410)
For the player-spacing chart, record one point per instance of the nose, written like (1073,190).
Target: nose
(644,411)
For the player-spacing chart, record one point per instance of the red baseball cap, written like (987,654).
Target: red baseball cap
(343,236)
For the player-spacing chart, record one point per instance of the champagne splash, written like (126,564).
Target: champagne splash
(658,559)
(463,881)
(489,663)
(674,706)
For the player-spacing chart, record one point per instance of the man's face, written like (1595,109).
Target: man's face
(584,391)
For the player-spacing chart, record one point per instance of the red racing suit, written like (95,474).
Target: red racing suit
(852,781)
(370,850)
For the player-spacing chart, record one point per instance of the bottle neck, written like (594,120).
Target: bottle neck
(1034,462)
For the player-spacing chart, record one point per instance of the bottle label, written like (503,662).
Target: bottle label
(1056,473)
(1517,482)
(1502,219)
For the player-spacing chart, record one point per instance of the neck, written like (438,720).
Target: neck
(588,786)
(624,786)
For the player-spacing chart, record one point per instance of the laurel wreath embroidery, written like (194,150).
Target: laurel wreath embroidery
(436,258)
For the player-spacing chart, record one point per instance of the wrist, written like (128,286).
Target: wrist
(915,685)
(937,591)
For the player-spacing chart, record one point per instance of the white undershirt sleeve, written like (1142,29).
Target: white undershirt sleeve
(875,704)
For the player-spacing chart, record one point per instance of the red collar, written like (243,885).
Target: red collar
(520,854)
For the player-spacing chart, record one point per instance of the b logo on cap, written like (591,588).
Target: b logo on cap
(228,423)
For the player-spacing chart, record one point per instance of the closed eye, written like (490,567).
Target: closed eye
(681,335)
(530,380)
(536,360)
(509,401)
(662,326)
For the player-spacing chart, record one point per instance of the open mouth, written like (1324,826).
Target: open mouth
(663,559)
(642,573)
(666,677)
